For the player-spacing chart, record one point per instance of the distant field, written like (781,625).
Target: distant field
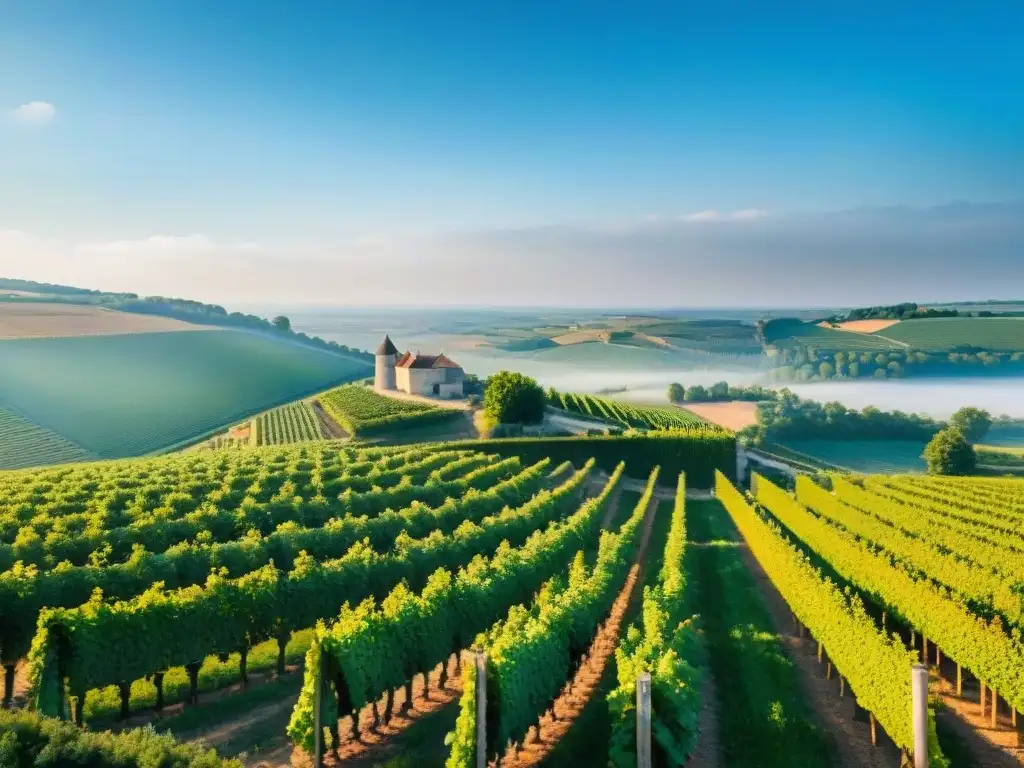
(128,395)
(795,333)
(866,326)
(734,416)
(946,333)
(24,444)
(37,320)
(883,456)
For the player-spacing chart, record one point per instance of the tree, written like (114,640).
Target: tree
(696,394)
(282,323)
(854,370)
(512,398)
(973,422)
(720,390)
(826,371)
(949,453)
(676,392)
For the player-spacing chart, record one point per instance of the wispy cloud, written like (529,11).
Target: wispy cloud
(166,244)
(744,214)
(34,113)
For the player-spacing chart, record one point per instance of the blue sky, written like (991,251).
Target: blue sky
(337,135)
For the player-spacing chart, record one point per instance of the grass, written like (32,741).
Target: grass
(1005,334)
(788,333)
(129,395)
(25,444)
(764,720)
(871,456)
(1000,456)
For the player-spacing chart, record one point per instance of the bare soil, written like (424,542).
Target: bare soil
(864,326)
(732,415)
(706,753)
(327,424)
(41,320)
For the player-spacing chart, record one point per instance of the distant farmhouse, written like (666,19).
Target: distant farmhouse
(416,374)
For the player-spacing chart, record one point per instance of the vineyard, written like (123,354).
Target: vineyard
(627,414)
(130,395)
(363,412)
(933,568)
(293,423)
(24,444)
(527,590)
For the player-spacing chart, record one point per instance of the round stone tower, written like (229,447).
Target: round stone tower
(384,373)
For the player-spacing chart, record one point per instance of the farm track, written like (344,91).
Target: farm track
(329,426)
(707,752)
(568,707)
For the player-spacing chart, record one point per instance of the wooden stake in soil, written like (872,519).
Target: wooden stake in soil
(643,720)
(924,649)
(481,709)
(158,681)
(874,734)
(318,732)
(995,709)
(8,684)
(842,686)
(983,697)
(919,679)
(959,680)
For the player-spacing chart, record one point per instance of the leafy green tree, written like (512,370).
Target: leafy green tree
(696,394)
(512,398)
(949,453)
(826,371)
(854,370)
(720,390)
(973,422)
(282,323)
(676,392)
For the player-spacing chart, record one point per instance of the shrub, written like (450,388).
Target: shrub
(512,398)
(949,453)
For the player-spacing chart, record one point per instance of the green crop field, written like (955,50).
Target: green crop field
(1005,334)
(292,423)
(882,456)
(128,395)
(628,414)
(361,412)
(788,333)
(24,444)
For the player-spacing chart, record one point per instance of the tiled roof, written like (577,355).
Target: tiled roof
(409,360)
(387,347)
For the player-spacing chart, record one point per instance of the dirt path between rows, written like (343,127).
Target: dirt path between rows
(706,753)
(329,425)
(543,738)
(836,714)
(991,748)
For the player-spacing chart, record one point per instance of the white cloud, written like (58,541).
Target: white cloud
(164,245)
(34,113)
(703,216)
(748,214)
(744,214)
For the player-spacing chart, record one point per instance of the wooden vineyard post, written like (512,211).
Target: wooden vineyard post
(959,680)
(318,731)
(983,697)
(919,681)
(643,720)
(995,709)
(481,709)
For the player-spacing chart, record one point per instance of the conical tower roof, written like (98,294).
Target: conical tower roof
(387,347)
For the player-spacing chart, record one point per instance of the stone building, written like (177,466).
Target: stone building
(416,374)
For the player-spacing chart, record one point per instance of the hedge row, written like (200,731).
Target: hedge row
(698,452)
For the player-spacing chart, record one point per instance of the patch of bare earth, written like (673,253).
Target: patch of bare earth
(733,415)
(1001,746)
(821,686)
(866,326)
(41,320)
(329,427)
(455,405)
(542,738)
